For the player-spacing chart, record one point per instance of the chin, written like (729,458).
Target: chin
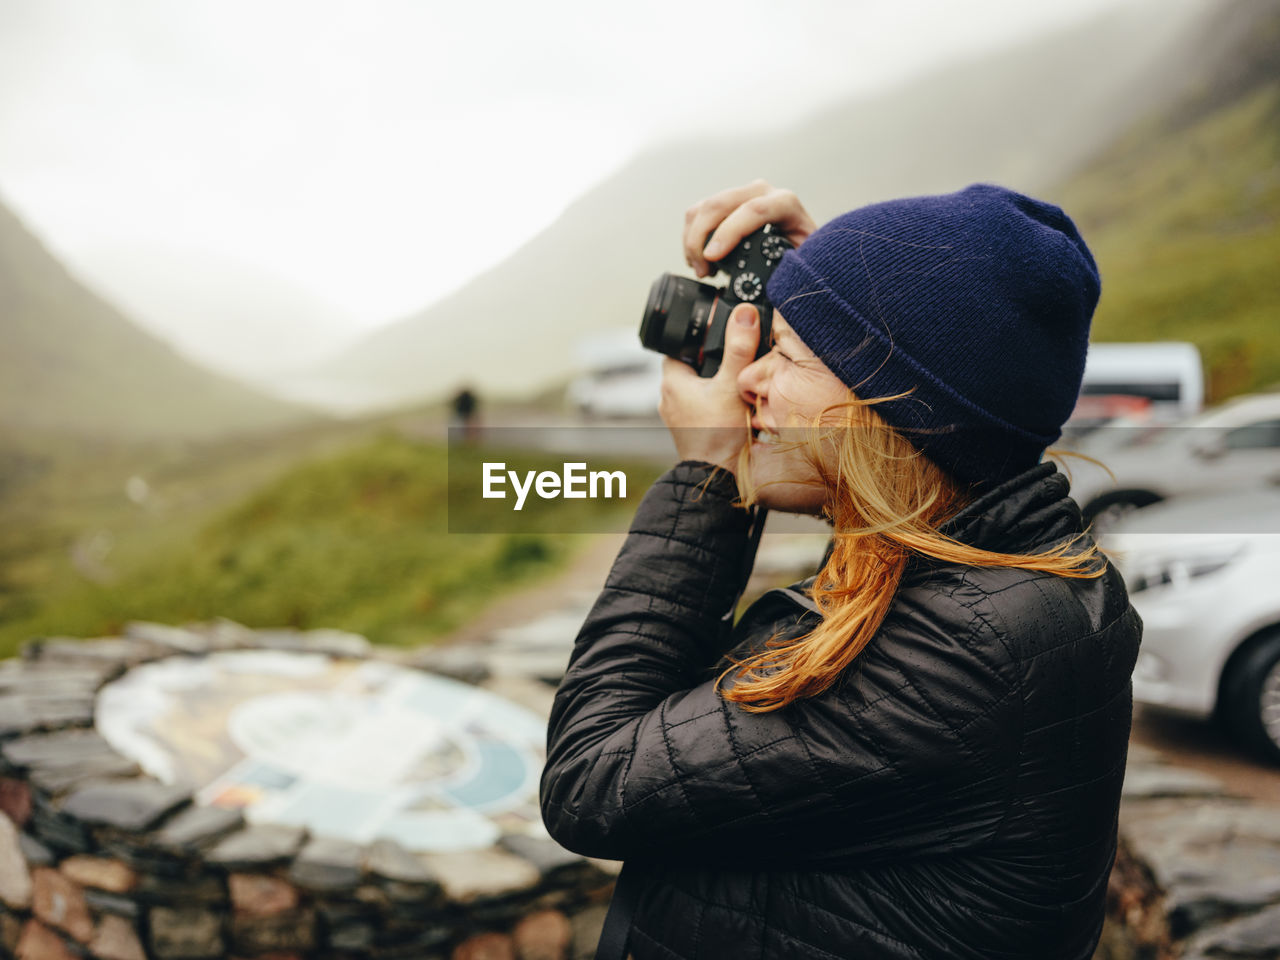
(786,481)
(788,501)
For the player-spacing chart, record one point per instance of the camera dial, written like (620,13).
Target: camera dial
(747,286)
(774,247)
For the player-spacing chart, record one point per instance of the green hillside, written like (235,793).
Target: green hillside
(1184,217)
(355,541)
(66,513)
(74,365)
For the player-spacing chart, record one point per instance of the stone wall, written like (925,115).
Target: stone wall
(1212,860)
(1136,925)
(98,859)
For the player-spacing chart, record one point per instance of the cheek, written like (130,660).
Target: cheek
(805,394)
(826,391)
(790,392)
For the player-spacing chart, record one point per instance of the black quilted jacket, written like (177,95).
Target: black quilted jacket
(954,796)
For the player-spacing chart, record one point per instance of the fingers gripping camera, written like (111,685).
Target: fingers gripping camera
(686,318)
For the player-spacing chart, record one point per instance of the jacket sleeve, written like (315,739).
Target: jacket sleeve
(645,758)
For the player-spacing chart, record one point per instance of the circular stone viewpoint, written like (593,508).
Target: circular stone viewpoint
(350,750)
(214,791)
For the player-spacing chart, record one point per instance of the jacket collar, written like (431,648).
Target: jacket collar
(1025,514)
(1022,515)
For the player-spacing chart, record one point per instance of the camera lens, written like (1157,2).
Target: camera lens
(676,316)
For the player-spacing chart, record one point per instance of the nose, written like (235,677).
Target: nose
(753,380)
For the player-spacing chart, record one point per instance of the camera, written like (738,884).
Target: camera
(686,318)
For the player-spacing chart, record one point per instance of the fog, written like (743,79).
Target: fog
(261,182)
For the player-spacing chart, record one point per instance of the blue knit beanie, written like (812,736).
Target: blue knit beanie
(978,302)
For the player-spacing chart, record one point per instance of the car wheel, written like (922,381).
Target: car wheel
(1104,512)
(1251,697)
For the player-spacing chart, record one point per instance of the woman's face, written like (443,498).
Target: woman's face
(789,388)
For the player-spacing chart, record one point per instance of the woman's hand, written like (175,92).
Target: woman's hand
(707,416)
(733,214)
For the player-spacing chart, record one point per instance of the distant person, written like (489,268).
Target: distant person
(918,752)
(465,409)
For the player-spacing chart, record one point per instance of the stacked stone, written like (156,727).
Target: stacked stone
(98,859)
(1212,860)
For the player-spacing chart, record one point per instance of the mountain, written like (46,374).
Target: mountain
(73,365)
(1183,212)
(238,319)
(1025,117)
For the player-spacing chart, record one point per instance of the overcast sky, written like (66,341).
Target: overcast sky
(258,179)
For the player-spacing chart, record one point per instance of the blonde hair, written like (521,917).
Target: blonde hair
(886,502)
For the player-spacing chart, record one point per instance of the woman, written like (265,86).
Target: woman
(918,752)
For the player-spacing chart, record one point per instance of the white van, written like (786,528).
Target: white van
(1163,382)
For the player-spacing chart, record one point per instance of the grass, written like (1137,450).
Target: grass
(63,503)
(1185,223)
(356,541)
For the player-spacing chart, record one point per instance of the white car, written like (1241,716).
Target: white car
(1204,574)
(1235,446)
(620,379)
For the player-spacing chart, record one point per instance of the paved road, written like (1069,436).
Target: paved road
(1204,747)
